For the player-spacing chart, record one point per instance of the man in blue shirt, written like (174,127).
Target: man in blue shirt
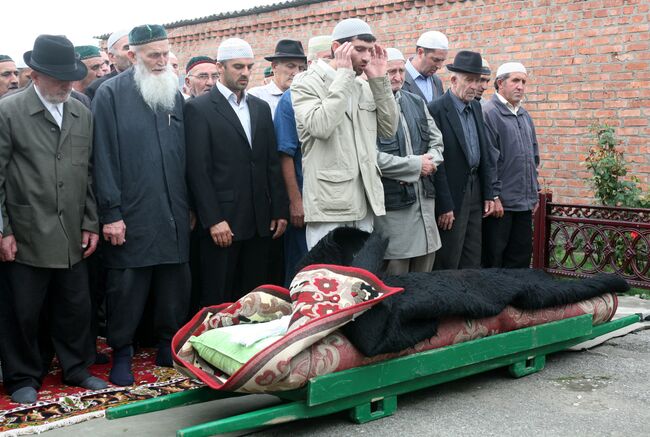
(431,52)
(295,245)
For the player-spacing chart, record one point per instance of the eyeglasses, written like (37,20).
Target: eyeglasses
(205,76)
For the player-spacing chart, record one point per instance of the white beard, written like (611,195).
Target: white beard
(157,90)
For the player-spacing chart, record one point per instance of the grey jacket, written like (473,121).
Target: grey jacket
(46,191)
(513,142)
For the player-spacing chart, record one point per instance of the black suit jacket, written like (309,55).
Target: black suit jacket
(451,177)
(411,86)
(229,179)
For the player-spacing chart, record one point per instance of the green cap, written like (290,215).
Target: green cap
(87,52)
(5,58)
(268,72)
(146,33)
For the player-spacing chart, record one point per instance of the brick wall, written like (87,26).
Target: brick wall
(588,61)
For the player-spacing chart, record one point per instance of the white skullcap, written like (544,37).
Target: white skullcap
(115,37)
(485,63)
(233,48)
(433,40)
(394,54)
(318,44)
(511,67)
(350,27)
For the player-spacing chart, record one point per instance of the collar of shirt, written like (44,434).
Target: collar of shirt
(55,109)
(458,103)
(273,89)
(513,109)
(230,96)
(412,71)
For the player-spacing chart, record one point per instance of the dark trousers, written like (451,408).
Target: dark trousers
(295,247)
(508,241)
(127,294)
(461,245)
(33,297)
(228,273)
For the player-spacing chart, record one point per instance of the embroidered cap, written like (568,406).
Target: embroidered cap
(233,48)
(146,33)
(433,40)
(350,27)
(394,54)
(318,44)
(198,60)
(87,52)
(511,67)
(115,37)
(485,67)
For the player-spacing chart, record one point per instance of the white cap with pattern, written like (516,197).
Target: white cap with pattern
(318,44)
(350,27)
(433,40)
(233,48)
(115,37)
(394,54)
(511,67)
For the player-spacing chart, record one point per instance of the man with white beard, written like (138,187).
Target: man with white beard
(142,198)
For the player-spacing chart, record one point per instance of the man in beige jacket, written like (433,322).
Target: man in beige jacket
(338,117)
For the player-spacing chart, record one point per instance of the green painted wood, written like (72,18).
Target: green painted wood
(527,367)
(196,396)
(373,410)
(604,328)
(361,379)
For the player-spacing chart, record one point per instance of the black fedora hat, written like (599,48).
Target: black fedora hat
(54,56)
(288,49)
(467,62)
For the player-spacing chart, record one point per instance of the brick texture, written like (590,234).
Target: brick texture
(588,61)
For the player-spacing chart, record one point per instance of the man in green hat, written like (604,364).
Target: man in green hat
(92,58)
(142,198)
(8,75)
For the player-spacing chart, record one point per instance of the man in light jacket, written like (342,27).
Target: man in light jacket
(339,117)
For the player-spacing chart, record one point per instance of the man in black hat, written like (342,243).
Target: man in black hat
(142,198)
(50,219)
(464,181)
(288,60)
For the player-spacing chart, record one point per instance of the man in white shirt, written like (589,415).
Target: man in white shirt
(289,59)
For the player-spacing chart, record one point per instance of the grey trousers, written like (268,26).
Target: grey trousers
(422,263)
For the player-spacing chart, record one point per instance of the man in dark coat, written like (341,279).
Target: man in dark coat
(508,235)
(50,223)
(235,178)
(142,198)
(464,182)
(430,54)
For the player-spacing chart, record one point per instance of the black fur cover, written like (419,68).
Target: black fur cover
(407,318)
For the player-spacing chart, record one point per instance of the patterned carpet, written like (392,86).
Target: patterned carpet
(60,405)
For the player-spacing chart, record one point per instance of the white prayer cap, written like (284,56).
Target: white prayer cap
(394,54)
(511,67)
(318,44)
(115,37)
(350,27)
(233,48)
(433,40)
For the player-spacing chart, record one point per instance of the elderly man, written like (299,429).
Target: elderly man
(50,222)
(430,54)
(234,174)
(118,48)
(410,205)
(295,245)
(201,75)
(289,59)
(485,80)
(142,198)
(507,236)
(106,62)
(338,116)
(91,56)
(173,61)
(464,182)
(8,75)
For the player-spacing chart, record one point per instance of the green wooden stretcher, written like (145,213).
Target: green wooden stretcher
(370,392)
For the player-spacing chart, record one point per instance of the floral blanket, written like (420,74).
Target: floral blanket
(321,299)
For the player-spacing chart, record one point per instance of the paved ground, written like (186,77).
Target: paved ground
(603,391)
